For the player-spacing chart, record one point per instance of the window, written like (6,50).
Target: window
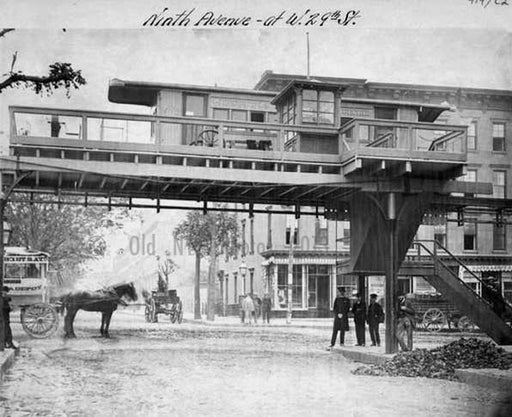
(195,105)
(470,176)
(507,290)
(258,117)
(472,129)
(321,231)
(345,243)
(243,238)
(499,184)
(291,221)
(227,288)
(440,234)
(498,137)
(239,115)
(235,287)
(317,107)
(317,274)
(282,286)
(387,113)
(470,235)
(221,114)
(499,237)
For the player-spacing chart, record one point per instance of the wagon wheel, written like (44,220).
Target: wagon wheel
(152,311)
(207,137)
(180,313)
(434,319)
(39,320)
(465,324)
(174,316)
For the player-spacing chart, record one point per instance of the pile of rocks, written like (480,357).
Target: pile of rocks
(441,362)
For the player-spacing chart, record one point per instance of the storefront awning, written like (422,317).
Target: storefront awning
(491,268)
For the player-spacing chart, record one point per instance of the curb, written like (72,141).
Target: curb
(365,357)
(6,361)
(495,379)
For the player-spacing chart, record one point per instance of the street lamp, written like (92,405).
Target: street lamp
(243,272)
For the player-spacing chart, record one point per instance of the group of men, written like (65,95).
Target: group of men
(252,306)
(373,315)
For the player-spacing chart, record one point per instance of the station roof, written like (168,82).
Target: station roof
(146,93)
(310,83)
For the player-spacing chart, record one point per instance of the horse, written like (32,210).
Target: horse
(104,301)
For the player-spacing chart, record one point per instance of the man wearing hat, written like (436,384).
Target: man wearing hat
(340,310)
(375,317)
(359,311)
(7,323)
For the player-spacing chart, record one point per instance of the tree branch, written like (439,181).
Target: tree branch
(4,31)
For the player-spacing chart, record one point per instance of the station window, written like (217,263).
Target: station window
(257,116)
(317,107)
(472,137)
(440,234)
(499,184)
(221,114)
(195,105)
(498,137)
(239,115)
(386,113)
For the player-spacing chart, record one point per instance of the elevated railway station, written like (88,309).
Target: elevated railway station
(382,164)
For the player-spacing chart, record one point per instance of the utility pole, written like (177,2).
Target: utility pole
(290,273)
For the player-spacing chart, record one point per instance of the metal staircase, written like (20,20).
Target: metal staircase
(487,314)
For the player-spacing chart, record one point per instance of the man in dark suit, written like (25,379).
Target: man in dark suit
(359,311)
(7,322)
(340,311)
(375,317)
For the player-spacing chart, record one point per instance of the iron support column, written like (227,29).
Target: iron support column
(391,283)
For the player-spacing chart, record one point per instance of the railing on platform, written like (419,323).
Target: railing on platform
(91,126)
(403,135)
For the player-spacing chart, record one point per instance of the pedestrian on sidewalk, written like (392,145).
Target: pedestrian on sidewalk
(266,307)
(359,311)
(248,308)
(6,311)
(340,311)
(375,316)
(406,322)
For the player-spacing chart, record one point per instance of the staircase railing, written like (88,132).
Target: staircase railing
(434,253)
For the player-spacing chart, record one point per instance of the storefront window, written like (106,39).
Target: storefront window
(282,286)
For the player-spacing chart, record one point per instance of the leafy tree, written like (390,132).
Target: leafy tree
(208,235)
(60,75)
(69,233)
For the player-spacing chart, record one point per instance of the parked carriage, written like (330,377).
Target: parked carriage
(163,303)
(26,275)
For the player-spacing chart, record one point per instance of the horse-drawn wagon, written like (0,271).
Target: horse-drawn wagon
(163,303)
(433,313)
(26,275)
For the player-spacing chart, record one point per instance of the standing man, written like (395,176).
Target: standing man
(7,322)
(375,317)
(340,311)
(266,307)
(406,322)
(359,311)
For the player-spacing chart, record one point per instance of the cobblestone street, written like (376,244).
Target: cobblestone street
(212,370)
